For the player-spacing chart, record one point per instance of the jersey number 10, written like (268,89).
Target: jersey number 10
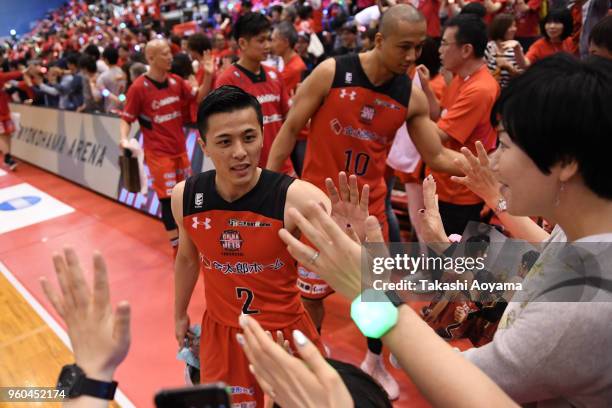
(359,165)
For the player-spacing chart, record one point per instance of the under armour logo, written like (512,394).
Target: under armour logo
(351,95)
(205,223)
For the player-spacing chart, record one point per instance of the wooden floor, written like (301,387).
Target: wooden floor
(140,271)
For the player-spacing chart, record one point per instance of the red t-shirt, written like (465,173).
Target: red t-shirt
(431,11)
(528,23)
(158,108)
(5,113)
(466,104)
(271,93)
(544,48)
(292,73)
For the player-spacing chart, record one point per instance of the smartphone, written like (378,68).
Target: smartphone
(200,396)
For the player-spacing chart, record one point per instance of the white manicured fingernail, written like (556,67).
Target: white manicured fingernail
(299,338)
(240,339)
(243,321)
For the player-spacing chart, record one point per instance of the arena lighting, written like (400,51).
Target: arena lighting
(13,32)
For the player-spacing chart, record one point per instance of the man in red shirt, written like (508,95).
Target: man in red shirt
(156,100)
(252,32)
(284,38)
(7,127)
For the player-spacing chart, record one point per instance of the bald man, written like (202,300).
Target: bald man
(156,100)
(356,103)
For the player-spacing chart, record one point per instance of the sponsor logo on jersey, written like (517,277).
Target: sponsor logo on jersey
(170,176)
(318,289)
(247,404)
(303,286)
(156,104)
(367,113)
(306,274)
(202,222)
(199,200)
(272,118)
(170,183)
(255,224)
(272,74)
(380,102)
(352,95)
(348,78)
(268,98)
(336,126)
(246,268)
(167,117)
(363,134)
(242,390)
(231,241)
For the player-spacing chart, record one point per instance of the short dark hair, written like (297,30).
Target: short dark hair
(287,31)
(181,65)
(470,30)
(111,54)
(558,15)
(430,57)
(73,58)
(226,99)
(277,7)
(250,25)
(199,43)
(538,110)
(601,34)
(474,8)
(500,25)
(88,63)
(92,50)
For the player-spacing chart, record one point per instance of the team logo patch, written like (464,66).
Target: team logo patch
(231,242)
(380,102)
(255,224)
(367,114)
(199,200)
(351,95)
(336,126)
(348,78)
(198,221)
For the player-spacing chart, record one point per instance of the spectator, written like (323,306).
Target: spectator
(348,40)
(466,106)
(600,40)
(501,52)
(367,39)
(67,85)
(301,47)
(137,69)
(7,127)
(557,27)
(284,38)
(112,82)
(92,97)
(94,51)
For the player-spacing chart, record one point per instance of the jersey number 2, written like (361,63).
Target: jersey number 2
(360,164)
(247,302)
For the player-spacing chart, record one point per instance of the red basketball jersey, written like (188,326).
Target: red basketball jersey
(272,95)
(354,128)
(246,266)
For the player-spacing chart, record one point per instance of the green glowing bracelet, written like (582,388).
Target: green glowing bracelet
(377,315)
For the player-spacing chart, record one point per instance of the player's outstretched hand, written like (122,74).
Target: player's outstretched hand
(335,256)
(285,378)
(349,210)
(100,338)
(432,229)
(478,175)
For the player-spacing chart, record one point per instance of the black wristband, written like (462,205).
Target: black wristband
(394,298)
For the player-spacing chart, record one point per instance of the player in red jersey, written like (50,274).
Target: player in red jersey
(7,127)
(229,219)
(356,103)
(156,100)
(252,32)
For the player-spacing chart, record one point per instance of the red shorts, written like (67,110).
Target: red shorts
(167,171)
(311,286)
(222,358)
(6,127)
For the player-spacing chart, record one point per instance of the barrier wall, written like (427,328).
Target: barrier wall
(84,149)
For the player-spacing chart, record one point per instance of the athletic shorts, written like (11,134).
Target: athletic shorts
(311,286)
(222,358)
(167,171)
(6,127)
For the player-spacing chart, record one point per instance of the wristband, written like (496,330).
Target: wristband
(376,316)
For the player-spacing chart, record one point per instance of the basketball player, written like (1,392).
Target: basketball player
(228,221)
(252,32)
(156,100)
(356,103)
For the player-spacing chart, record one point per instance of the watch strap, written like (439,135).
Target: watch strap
(394,298)
(99,389)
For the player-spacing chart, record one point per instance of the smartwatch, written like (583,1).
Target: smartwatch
(73,382)
(377,314)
